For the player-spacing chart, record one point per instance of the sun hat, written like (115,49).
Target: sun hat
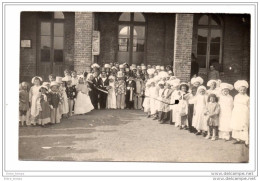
(210,82)
(226,86)
(240,83)
(36,77)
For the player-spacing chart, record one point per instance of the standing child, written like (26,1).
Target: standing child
(212,116)
(23,103)
(130,91)
(160,101)
(153,95)
(71,93)
(120,91)
(166,111)
(198,120)
(226,106)
(34,94)
(139,92)
(175,95)
(240,113)
(54,102)
(74,78)
(146,103)
(83,103)
(111,97)
(191,101)
(44,107)
(182,107)
(212,84)
(64,107)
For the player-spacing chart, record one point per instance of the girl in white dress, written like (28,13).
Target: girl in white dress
(240,113)
(34,94)
(146,103)
(64,107)
(226,106)
(153,95)
(175,95)
(111,97)
(182,107)
(198,120)
(83,103)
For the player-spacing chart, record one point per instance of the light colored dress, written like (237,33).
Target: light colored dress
(226,106)
(175,95)
(153,94)
(64,106)
(146,103)
(111,97)
(240,117)
(199,121)
(34,94)
(181,112)
(83,103)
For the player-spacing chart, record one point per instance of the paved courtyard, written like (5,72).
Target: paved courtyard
(122,135)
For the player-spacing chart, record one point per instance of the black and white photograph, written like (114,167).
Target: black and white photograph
(135,86)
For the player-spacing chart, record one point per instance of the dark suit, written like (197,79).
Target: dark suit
(103,96)
(130,103)
(94,93)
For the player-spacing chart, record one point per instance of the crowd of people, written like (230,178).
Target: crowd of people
(212,113)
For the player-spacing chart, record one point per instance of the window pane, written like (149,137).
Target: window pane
(45,55)
(58,15)
(58,43)
(214,48)
(202,35)
(124,31)
(139,31)
(215,35)
(45,42)
(202,49)
(123,44)
(124,17)
(215,20)
(139,17)
(58,55)
(58,29)
(204,20)
(202,61)
(45,28)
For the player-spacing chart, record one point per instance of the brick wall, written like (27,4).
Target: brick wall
(183,46)
(28,55)
(83,41)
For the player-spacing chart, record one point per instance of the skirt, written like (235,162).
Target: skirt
(83,104)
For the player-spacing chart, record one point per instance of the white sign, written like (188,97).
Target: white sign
(95,43)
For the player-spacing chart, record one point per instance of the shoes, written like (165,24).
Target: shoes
(198,133)
(207,137)
(213,139)
(237,142)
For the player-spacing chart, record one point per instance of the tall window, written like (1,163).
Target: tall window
(52,37)
(209,46)
(131,38)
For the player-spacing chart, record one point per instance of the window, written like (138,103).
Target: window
(209,45)
(52,37)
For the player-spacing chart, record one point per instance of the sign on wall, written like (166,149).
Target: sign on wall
(26,43)
(95,43)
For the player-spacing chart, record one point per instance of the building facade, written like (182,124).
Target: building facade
(75,40)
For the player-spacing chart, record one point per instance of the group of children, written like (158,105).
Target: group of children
(191,106)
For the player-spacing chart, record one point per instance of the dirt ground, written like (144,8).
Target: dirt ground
(122,135)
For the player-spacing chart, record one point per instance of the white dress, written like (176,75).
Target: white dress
(83,103)
(153,95)
(175,95)
(111,97)
(146,103)
(240,117)
(198,120)
(226,106)
(64,106)
(34,94)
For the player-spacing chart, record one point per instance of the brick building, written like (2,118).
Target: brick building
(64,40)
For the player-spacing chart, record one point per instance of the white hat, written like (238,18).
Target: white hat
(133,67)
(158,67)
(162,67)
(114,68)
(169,82)
(201,87)
(176,82)
(226,86)
(58,79)
(150,71)
(210,82)
(197,79)
(173,78)
(107,66)
(156,78)
(81,76)
(88,76)
(54,83)
(163,74)
(44,86)
(95,65)
(138,67)
(35,78)
(66,79)
(119,74)
(240,83)
(121,66)
(184,83)
(127,69)
(170,72)
(45,83)
(111,77)
(143,67)
(161,82)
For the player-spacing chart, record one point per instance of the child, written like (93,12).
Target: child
(212,116)
(130,91)
(64,107)
(34,94)
(175,95)
(120,91)
(74,78)
(139,92)
(146,103)
(226,106)
(166,99)
(198,120)
(160,102)
(23,103)
(55,101)
(44,107)
(212,84)
(240,113)
(191,101)
(111,97)
(197,81)
(153,95)
(66,73)
(51,78)
(83,103)
(71,93)
(182,107)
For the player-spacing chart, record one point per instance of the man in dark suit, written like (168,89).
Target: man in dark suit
(130,92)
(95,92)
(103,82)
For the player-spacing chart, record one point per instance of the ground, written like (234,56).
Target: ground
(122,135)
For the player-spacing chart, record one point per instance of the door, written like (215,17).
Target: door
(51,47)
(131,38)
